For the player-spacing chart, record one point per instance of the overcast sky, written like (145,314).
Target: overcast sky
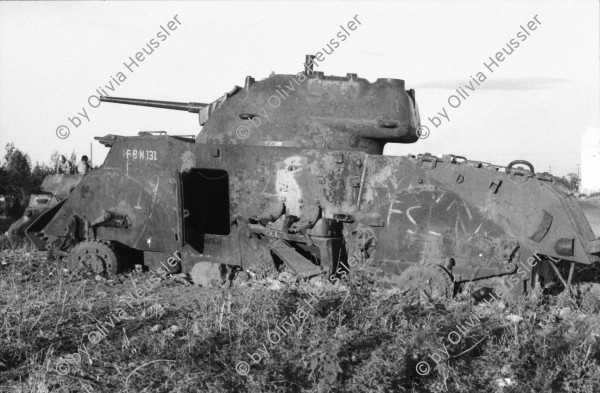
(534,105)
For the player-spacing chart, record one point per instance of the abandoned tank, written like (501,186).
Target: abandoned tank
(289,171)
(56,187)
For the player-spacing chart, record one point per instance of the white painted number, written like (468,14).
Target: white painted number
(135,154)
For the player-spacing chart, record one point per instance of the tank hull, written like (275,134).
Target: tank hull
(240,205)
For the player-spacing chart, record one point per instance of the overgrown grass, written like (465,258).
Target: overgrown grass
(353,339)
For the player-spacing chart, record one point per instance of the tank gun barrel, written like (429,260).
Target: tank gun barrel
(193,107)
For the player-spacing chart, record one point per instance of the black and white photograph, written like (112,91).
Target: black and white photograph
(300,196)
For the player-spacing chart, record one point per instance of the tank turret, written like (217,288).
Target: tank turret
(306,110)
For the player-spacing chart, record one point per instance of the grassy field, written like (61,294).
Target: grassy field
(139,333)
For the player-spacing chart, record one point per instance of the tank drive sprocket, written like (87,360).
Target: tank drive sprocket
(95,256)
(434,280)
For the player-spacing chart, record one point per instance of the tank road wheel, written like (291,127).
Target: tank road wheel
(207,273)
(94,256)
(434,281)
